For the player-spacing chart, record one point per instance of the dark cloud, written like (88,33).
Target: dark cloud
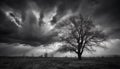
(14,49)
(105,12)
(108,16)
(30,33)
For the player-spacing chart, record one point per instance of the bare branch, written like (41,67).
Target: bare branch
(82,35)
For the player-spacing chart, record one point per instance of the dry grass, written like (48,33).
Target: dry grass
(59,63)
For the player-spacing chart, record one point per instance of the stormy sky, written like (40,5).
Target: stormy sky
(32,26)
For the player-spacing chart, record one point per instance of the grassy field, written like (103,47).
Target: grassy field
(59,63)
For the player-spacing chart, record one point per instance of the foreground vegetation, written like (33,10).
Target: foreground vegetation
(59,63)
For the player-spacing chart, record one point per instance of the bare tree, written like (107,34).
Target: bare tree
(80,34)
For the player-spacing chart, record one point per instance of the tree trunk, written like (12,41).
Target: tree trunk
(79,56)
(79,51)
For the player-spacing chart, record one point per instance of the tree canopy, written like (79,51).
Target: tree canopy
(79,34)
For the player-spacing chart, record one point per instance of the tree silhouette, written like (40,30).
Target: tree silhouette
(80,34)
(46,55)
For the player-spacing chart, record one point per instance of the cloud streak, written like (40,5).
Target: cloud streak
(38,22)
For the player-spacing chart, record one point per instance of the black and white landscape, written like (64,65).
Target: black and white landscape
(70,34)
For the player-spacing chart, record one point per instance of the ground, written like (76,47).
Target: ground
(59,63)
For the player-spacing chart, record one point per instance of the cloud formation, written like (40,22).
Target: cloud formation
(107,15)
(17,49)
(36,22)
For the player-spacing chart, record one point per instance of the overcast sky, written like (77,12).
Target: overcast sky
(30,27)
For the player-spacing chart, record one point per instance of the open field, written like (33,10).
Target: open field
(59,63)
